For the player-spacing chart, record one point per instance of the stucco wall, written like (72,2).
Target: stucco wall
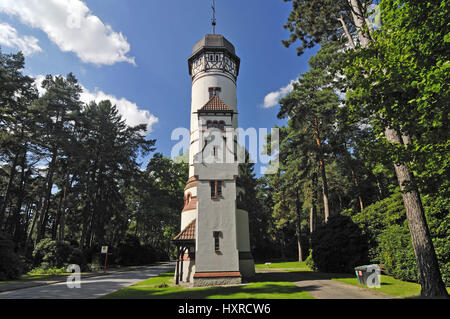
(216,215)
(243,236)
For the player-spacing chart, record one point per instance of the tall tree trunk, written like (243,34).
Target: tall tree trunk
(58,216)
(312,219)
(323,174)
(298,206)
(355,181)
(283,245)
(5,201)
(20,198)
(429,273)
(43,215)
(62,222)
(313,211)
(33,224)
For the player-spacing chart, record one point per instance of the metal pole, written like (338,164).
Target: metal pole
(106,259)
(177,278)
(182,257)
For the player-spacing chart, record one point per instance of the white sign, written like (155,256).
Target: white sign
(104,249)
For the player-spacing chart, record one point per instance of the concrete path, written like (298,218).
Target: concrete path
(331,289)
(320,285)
(92,287)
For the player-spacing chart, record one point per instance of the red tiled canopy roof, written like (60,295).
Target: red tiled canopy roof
(215,104)
(188,233)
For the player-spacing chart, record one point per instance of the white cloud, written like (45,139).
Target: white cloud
(271,99)
(71,25)
(131,112)
(10,38)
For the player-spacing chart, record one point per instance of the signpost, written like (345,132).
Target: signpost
(105,251)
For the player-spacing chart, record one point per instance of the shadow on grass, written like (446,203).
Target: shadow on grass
(268,290)
(274,285)
(263,286)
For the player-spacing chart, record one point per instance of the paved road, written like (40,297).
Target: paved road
(91,288)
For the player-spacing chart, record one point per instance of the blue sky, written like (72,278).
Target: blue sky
(136,52)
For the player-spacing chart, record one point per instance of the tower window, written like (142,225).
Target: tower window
(213,189)
(216,235)
(219,188)
(216,124)
(216,189)
(214,91)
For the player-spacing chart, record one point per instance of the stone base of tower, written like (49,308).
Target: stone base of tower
(206,279)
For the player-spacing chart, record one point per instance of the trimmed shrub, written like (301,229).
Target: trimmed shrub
(397,254)
(49,254)
(338,246)
(310,262)
(11,264)
(384,224)
(438,218)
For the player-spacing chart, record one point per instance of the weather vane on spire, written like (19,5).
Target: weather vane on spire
(213,20)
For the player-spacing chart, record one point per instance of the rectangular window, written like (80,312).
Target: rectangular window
(219,188)
(216,189)
(216,236)
(213,91)
(213,189)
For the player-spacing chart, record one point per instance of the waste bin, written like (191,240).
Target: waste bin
(363,273)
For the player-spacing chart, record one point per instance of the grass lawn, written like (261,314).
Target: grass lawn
(290,264)
(162,287)
(390,286)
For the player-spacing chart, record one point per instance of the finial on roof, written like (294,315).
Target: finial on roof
(213,20)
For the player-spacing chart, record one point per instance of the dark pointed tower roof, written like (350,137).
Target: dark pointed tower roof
(214,41)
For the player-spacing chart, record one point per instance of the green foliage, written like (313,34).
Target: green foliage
(377,217)
(11,264)
(385,226)
(338,246)
(397,254)
(310,262)
(402,80)
(54,271)
(49,253)
(156,210)
(438,218)
(131,253)
(312,21)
